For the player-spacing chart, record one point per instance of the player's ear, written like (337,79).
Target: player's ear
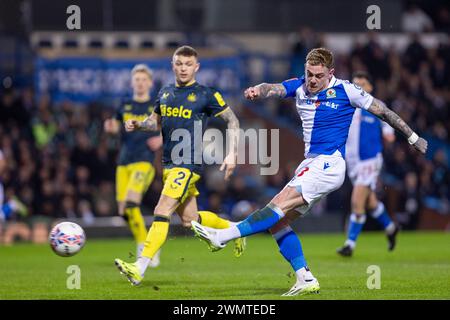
(331,72)
(197,66)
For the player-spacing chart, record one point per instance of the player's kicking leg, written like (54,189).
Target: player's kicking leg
(265,219)
(314,179)
(212,220)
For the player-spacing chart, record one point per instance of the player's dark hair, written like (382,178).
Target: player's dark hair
(363,75)
(186,51)
(320,56)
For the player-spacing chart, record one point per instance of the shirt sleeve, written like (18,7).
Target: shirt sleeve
(357,96)
(216,103)
(291,85)
(157,108)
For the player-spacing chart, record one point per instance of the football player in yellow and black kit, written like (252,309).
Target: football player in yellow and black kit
(180,109)
(135,171)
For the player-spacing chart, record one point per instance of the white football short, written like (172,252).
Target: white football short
(316,177)
(366,172)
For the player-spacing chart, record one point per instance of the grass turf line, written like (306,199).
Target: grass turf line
(419,268)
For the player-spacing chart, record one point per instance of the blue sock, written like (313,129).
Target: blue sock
(356,224)
(291,248)
(6,208)
(381,215)
(260,220)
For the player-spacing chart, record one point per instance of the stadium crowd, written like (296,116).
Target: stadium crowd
(60,163)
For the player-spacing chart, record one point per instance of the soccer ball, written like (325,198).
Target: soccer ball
(67,239)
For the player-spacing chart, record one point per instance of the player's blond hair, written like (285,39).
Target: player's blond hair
(186,51)
(320,56)
(142,68)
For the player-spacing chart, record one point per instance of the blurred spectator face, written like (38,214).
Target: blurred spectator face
(44,102)
(317,77)
(8,98)
(103,208)
(47,188)
(82,140)
(68,189)
(411,181)
(239,184)
(141,83)
(68,204)
(363,83)
(184,68)
(214,202)
(82,174)
(440,157)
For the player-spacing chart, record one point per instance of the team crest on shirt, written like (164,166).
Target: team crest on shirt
(192,97)
(128,107)
(331,93)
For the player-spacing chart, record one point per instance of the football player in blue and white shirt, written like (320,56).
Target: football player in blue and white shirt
(364,160)
(326,106)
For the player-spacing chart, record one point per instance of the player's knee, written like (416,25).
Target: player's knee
(358,206)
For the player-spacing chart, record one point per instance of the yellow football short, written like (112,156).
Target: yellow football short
(135,177)
(179,183)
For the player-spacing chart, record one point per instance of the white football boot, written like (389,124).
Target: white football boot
(209,235)
(306,283)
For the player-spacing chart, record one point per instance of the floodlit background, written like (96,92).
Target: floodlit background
(59,85)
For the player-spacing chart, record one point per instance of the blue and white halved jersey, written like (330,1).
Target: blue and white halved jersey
(327,115)
(365,137)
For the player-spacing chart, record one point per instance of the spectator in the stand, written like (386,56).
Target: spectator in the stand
(415,19)
(12,111)
(44,128)
(305,40)
(375,58)
(414,54)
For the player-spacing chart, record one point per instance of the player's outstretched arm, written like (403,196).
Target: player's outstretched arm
(265,90)
(229,163)
(152,123)
(379,109)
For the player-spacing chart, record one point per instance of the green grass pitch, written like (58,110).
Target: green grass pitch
(419,268)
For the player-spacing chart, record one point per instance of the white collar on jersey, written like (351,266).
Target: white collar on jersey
(332,83)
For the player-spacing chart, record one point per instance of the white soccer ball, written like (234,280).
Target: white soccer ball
(67,239)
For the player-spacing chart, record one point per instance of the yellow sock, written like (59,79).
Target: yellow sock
(136,223)
(156,236)
(212,220)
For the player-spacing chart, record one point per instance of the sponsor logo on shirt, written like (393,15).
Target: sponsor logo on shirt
(180,112)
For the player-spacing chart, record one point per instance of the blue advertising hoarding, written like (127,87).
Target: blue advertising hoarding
(86,79)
